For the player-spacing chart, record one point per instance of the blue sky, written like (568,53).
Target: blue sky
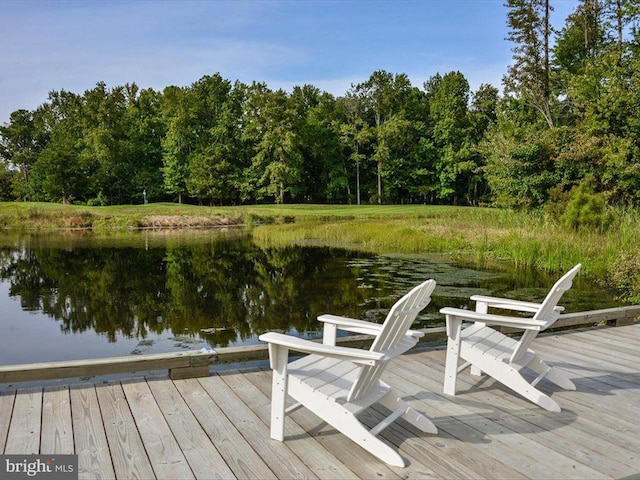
(72,45)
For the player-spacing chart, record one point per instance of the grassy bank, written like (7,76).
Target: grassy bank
(526,240)
(481,234)
(48,216)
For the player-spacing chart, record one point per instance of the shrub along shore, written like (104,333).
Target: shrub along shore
(524,239)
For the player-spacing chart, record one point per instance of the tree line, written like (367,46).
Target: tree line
(566,127)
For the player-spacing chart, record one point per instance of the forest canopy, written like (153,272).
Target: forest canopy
(564,127)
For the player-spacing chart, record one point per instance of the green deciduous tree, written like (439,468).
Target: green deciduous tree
(105,143)
(61,173)
(216,160)
(356,136)
(21,142)
(457,161)
(276,159)
(322,177)
(177,143)
(145,131)
(383,95)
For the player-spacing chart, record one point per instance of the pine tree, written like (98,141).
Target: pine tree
(529,77)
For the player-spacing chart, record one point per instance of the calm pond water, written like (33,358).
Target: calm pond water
(74,296)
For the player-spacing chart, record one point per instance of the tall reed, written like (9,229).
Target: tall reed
(526,240)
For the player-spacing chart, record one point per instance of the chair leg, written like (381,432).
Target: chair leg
(393,402)
(350,426)
(512,378)
(453,354)
(552,374)
(279,385)
(537,397)
(558,377)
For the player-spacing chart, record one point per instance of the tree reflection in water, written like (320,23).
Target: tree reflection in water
(221,288)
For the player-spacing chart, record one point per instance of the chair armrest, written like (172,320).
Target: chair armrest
(507,303)
(351,324)
(360,326)
(416,333)
(356,355)
(490,319)
(510,304)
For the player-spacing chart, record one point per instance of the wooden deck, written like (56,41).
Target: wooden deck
(217,426)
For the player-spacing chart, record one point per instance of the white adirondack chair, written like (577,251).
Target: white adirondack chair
(502,357)
(336,383)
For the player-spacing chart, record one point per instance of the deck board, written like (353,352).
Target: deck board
(24,431)
(165,455)
(238,454)
(286,464)
(218,426)
(202,455)
(6,410)
(26,421)
(57,429)
(127,450)
(94,457)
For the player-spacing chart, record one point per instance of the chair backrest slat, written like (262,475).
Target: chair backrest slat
(546,313)
(399,320)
